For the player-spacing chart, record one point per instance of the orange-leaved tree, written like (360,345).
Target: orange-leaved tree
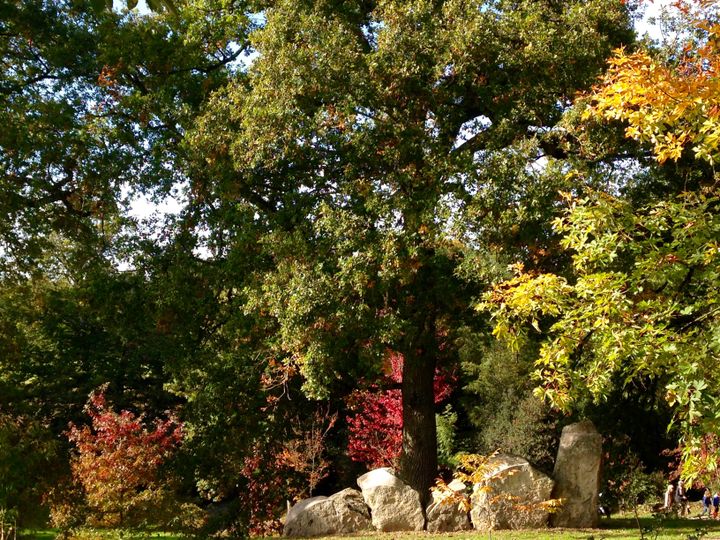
(641,303)
(672,103)
(117,461)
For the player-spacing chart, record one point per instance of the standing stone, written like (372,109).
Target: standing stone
(448,516)
(577,476)
(394,506)
(509,497)
(342,513)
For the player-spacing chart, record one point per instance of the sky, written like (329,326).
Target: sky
(651,10)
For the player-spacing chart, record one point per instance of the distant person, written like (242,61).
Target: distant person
(669,497)
(707,501)
(681,499)
(716,504)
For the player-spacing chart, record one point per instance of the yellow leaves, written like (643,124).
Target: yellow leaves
(450,496)
(671,148)
(474,468)
(526,297)
(485,473)
(671,107)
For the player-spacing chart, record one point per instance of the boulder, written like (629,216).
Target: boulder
(446,516)
(342,513)
(577,476)
(394,506)
(509,496)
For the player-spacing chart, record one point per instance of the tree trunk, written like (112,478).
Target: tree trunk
(418,462)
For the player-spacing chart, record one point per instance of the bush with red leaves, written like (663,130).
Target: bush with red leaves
(376,423)
(117,461)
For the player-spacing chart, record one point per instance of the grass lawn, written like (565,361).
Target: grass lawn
(622,528)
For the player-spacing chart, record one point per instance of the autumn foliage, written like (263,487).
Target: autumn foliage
(117,461)
(375,424)
(672,104)
(291,471)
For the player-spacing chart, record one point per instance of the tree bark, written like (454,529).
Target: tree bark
(418,461)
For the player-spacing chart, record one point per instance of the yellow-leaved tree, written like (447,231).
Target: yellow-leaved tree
(672,103)
(641,301)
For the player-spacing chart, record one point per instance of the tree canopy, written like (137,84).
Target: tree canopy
(353,178)
(641,300)
(362,140)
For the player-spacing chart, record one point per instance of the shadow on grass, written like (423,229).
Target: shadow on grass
(45,534)
(92,534)
(659,527)
(669,524)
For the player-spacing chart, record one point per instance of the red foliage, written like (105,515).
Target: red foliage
(375,427)
(376,423)
(118,458)
(263,486)
(286,470)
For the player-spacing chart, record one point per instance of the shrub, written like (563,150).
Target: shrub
(375,427)
(117,463)
(446,422)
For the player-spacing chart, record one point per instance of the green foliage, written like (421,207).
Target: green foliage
(501,407)
(27,453)
(8,523)
(446,434)
(361,131)
(93,110)
(643,305)
(639,487)
(354,191)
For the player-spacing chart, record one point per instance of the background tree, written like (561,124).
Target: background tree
(28,452)
(94,105)
(501,410)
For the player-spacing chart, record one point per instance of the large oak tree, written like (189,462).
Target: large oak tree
(376,155)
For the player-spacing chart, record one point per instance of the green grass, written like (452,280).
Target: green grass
(45,534)
(621,528)
(612,529)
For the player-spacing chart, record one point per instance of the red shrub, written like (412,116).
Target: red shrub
(376,423)
(117,460)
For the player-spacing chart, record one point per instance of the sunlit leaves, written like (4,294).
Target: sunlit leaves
(672,104)
(645,302)
(376,420)
(118,458)
(153,5)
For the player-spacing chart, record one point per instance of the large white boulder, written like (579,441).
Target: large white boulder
(394,506)
(577,476)
(509,496)
(445,513)
(342,513)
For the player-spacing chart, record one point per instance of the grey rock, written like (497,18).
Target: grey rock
(342,513)
(577,476)
(509,496)
(446,513)
(394,506)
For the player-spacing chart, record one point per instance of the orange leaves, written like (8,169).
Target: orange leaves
(117,459)
(672,105)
